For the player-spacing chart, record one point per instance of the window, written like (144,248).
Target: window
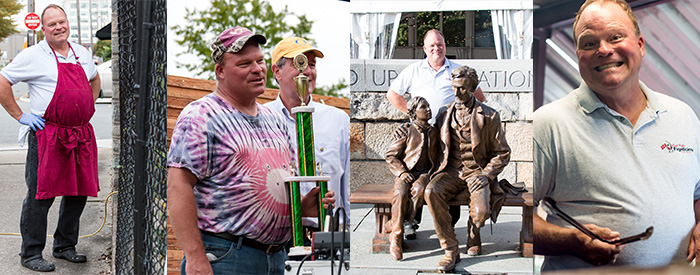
(453,27)
(468,34)
(483,30)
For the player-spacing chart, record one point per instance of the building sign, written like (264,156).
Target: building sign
(494,75)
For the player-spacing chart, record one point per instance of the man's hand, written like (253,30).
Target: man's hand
(477,183)
(32,120)
(596,252)
(406,177)
(198,264)
(309,208)
(401,132)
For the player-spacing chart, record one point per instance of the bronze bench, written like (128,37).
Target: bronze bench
(380,196)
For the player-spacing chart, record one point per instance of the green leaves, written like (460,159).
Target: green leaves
(200,27)
(103,49)
(8,8)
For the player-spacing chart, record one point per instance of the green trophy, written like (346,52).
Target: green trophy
(307,164)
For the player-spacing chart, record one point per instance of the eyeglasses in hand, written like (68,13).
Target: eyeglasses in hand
(550,206)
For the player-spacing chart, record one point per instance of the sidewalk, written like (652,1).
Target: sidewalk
(12,193)
(422,255)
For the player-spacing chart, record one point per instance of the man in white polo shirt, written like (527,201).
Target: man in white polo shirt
(62,154)
(616,156)
(430,78)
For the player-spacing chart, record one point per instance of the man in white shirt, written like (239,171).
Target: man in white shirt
(331,125)
(63,85)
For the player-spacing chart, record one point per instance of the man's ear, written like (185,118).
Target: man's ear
(275,70)
(218,70)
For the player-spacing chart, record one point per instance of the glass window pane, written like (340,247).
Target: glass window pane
(483,30)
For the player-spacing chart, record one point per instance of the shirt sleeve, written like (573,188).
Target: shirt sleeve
(20,68)
(189,146)
(402,83)
(345,161)
(86,62)
(544,167)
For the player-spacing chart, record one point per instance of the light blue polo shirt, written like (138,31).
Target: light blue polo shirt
(603,170)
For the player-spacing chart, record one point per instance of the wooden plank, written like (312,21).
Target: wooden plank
(381,193)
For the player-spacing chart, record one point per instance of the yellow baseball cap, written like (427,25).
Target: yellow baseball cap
(291,46)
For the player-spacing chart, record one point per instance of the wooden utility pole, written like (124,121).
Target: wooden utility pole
(31,34)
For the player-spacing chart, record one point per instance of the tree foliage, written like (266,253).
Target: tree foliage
(200,27)
(8,8)
(333,90)
(103,49)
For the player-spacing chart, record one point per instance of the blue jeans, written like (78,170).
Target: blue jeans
(33,221)
(236,258)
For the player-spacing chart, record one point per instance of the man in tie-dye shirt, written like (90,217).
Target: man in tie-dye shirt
(227,163)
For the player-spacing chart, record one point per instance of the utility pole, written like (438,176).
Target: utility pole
(31,33)
(90,22)
(80,36)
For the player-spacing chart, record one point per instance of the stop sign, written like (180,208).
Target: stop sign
(32,21)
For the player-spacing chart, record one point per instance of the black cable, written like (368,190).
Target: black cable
(330,210)
(342,244)
(303,260)
(363,219)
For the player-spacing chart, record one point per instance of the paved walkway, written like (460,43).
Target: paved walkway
(422,255)
(12,192)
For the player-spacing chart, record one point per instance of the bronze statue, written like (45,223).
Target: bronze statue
(472,152)
(410,157)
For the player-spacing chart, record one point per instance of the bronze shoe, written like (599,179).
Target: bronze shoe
(448,262)
(395,246)
(474,250)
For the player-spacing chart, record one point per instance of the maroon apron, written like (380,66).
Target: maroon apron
(67,147)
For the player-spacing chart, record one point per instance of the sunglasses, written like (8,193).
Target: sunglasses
(550,206)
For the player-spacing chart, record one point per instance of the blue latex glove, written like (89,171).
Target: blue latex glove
(33,121)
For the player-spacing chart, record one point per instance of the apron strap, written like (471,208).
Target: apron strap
(77,58)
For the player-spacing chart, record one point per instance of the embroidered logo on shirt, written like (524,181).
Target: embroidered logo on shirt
(676,148)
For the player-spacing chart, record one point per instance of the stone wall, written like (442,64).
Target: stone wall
(507,85)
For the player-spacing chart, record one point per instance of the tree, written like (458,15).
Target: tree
(202,26)
(103,49)
(8,8)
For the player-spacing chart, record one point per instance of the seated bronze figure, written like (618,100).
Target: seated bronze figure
(472,152)
(410,157)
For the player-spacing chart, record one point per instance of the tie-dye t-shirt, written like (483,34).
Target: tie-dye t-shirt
(240,163)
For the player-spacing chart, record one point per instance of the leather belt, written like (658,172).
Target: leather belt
(268,248)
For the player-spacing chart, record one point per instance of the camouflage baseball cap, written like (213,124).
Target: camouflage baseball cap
(232,41)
